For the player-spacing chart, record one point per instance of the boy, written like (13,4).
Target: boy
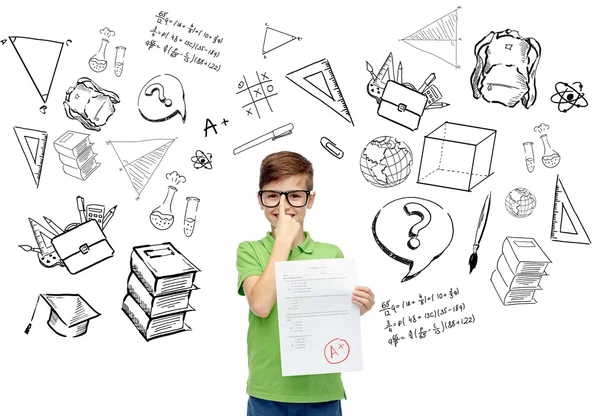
(286,182)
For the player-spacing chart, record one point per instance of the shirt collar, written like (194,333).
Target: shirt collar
(307,245)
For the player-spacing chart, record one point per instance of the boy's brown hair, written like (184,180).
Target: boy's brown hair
(283,164)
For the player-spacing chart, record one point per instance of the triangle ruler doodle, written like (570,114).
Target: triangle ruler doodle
(40,58)
(33,145)
(439,38)
(43,238)
(274,39)
(566,226)
(318,80)
(140,159)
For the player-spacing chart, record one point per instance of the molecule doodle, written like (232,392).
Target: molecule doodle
(202,160)
(568,97)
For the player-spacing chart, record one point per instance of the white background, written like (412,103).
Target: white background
(535,359)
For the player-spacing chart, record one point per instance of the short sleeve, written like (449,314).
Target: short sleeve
(247,264)
(339,254)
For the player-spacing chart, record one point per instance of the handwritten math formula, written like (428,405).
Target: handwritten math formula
(188,42)
(432,311)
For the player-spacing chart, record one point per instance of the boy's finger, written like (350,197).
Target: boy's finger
(365,289)
(281,208)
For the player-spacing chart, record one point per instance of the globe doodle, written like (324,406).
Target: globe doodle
(520,202)
(386,162)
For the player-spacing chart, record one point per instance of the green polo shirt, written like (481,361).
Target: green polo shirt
(264,358)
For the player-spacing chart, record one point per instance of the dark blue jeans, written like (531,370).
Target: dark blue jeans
(261,407)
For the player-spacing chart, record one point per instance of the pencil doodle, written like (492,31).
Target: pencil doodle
(272,135)
(98,62)
(90,104)
(259,92)
(162,98)
(529,157)
(275,39)
(33,146)
(140,159)
(76,154)
(162,217)
(401,102)
(202,160)
(386,161)
(119,60)
(506,68)
(413,243)
(520,202)
(40,58)
(566,225)
(551,158)
(481,224)
(318,80)
(191,208)
(159,287)
(568,96)
(332,148)
(439,38)
(519,270)
(457,156)
(70,314)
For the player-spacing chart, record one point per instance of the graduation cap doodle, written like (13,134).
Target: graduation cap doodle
(69,314)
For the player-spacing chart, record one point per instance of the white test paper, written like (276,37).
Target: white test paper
(319,326)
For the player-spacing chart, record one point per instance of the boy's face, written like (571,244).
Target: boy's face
(291,183)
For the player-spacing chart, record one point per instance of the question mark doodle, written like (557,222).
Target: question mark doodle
(68,41)
(161,93)
(414,208)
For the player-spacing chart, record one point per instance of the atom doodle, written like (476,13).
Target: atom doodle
(568,97)
(202,160)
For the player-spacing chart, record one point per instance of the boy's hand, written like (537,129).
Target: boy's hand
(287,227)
(363,297)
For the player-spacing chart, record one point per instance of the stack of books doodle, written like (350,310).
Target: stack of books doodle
(519,270)
(160,283)
(76,154)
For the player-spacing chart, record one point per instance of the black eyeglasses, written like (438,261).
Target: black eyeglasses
(297,198)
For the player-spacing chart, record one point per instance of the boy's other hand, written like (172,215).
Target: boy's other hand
(287,227)
(363,297)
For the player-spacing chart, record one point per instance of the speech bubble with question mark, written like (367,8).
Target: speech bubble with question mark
(162,98)
(413,231)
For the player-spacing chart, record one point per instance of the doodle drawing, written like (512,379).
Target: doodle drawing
(483,218)
(519,270)
(119,60)
(46,252)
(318,80)
(275,39)
(162,98)
(529,157)
(191,208)
(90,104)
(551,158)
(520,202)
(98,62)
(140,159)
(33,146)
(162,217)
(332,148)
(386,161)
(202,160)
(259,92)
(439,38)
(413,231)
(40,58)
(70,314)
(566,225)
(506,68)
(568,96)
(272,135)
(76,154)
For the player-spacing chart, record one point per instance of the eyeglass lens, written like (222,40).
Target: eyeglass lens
(295,199)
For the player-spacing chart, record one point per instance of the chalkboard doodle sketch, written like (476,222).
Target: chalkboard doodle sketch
(259,93)
(331,148)
(202,160)
(70,314)
(98,62)
(520,202)
(413,231)
(318,80)
(159,286)
(76,154)
(566,225)
(457,156)
(191,208)
(45,251)
(551,158)
(272,135)
(386,161)
(568,96)
(162,217)
(40,59)
(162,98)
(529,156)
(275,39)
(90,104)
(481,224)
(140,159)
(401,102)
(439,38)
(506,68)
(33,145)
(519,271)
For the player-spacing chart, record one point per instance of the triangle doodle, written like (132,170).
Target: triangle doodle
(320,83)
(566,225)
(274,39)
(33,145)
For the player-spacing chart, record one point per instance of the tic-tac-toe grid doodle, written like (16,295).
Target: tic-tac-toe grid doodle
(258,92)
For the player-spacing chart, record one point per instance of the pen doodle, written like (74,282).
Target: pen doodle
(272,135)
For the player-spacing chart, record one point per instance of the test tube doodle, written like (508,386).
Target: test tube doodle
(119,60)
(189,222)
(529,159)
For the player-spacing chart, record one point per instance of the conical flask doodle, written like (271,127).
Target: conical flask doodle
(162,217)
(551,157)
(98,62)
(190,215)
